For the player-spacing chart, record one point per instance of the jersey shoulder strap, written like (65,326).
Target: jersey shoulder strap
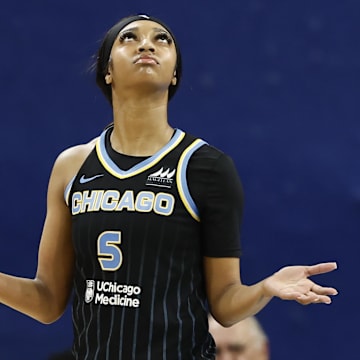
(181,178)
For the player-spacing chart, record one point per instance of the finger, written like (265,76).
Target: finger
(311,298)
(321,290)
(306,299)
(321,299)
(299,296)
(321,268)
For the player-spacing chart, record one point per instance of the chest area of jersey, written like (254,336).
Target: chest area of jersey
(150,191)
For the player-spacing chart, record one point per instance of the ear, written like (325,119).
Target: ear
(108,78)
(174,79)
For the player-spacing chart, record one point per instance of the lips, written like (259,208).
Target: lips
(146,59)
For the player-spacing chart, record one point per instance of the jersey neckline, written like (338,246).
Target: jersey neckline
(143,165)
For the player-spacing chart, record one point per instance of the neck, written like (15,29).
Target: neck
(140,127)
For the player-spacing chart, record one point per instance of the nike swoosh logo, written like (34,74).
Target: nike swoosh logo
(84,180)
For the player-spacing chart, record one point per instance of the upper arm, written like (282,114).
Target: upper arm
(56,253)
(217,192)
(220,197)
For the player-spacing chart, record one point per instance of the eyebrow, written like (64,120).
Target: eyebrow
(161,30)
(135,28)
(236,347)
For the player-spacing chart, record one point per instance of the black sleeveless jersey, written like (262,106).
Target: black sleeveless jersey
(138,285)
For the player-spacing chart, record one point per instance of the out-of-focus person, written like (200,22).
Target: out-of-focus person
(245,340)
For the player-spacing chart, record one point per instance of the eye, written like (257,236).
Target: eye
(165,37)
(236,348)
(126,36)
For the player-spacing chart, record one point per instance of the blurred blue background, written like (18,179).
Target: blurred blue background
(273,84)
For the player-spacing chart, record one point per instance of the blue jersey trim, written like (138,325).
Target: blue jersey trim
(114,170)
(182,181)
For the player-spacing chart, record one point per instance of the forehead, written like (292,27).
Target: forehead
(232,335)
(143,25)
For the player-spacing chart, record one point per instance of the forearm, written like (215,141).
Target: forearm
(28,296)
(238,302)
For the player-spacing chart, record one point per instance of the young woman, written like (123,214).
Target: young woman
(143,223)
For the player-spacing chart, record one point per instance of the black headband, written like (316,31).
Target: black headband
(105,50)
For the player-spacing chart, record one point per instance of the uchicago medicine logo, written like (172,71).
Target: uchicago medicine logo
(113,294)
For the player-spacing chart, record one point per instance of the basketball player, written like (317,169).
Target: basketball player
(143,223)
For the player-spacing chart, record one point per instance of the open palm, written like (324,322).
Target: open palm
(293,283)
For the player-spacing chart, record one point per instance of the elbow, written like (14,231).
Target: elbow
(49,317)
(50,312)
(218,320)
(50,306)
(45,320)
(222,319)
(224,315)
(225,322)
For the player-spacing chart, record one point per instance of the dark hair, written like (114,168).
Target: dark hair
(103,55)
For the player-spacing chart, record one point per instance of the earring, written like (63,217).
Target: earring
(174,81)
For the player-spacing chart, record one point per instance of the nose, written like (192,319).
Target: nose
(146,45)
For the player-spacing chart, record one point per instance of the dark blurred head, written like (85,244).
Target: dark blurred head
(65,355)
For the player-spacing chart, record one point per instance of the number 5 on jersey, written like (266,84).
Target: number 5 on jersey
(109,254)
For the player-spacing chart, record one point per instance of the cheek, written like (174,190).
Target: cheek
(119,59)
(252,353)
(169,57)
(169,66)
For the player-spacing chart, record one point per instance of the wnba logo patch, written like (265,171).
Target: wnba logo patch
(161,178)
(90,291)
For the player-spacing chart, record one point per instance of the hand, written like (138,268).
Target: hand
(292,283)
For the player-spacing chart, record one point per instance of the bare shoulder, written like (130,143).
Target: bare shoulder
(69,161)
(77,152)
